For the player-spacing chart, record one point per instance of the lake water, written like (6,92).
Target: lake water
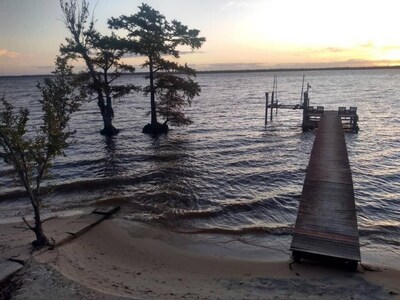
(227,175)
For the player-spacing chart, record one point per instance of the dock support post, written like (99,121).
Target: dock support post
(355,124)
(305,111)
(276,94)
(272,106)
(266,109)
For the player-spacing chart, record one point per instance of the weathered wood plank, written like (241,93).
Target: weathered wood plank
(326,222)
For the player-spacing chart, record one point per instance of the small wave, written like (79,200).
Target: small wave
(83,184)
(392,240)
(379,229)
(279,230)
(280,204)
(178,214)
(7,172)
(79,163)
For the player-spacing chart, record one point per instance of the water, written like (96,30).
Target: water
(227,174)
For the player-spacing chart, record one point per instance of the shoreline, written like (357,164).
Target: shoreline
(119,258)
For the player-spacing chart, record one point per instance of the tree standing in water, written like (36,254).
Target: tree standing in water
(102,56)
(31,153)
(150,34)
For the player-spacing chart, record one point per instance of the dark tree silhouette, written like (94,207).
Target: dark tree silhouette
(31,153)
(151,35)
(102,56)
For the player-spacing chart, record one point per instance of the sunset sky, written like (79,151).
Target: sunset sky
(251,34)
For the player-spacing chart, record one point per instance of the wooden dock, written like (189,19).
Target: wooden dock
(312,115)
(326,223)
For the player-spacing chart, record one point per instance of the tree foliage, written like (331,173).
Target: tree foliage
(102,56)
(150,34)
(31,153)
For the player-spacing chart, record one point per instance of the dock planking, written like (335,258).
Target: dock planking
(326,222)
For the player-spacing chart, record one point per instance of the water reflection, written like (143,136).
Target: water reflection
(112,167)
(174,191)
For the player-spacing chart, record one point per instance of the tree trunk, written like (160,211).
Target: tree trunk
(107,113)
(152,95)
(106,109)
(41,238)
(154,127)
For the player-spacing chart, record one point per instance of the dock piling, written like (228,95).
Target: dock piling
(266,108)
(276,94)
(272,106)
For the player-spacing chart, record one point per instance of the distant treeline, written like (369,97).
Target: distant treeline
(300,69)
(250,71)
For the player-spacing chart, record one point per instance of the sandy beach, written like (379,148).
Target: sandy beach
(118,259)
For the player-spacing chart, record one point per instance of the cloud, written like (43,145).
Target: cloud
(8,54)
(391,47)
(184,52)
(350,63)
(335,49)
(228,5)
(233,4)
(229,66)
(127,55)
(190,52)
(325,50)
(367,45)
(45,67)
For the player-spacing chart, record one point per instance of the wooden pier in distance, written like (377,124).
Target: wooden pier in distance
(311,114)
(326,223)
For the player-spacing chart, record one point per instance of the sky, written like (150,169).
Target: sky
(251,34)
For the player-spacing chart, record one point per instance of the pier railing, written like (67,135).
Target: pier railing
(349,118)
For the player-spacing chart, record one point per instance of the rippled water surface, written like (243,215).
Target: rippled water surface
(227,173)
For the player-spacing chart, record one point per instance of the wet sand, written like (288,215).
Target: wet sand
(119,259)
